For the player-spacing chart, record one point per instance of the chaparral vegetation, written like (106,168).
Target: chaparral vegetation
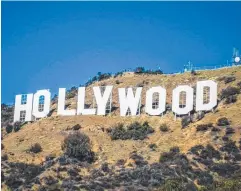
(199,151)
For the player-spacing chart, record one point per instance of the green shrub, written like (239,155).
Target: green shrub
(152,146)
(204,127)
(9,128)
(186,120)
(164,127)
(239,84)
(76,127)
(4,157)
(70,95)
(135,131)
(229,91)
(173,154)
(174,184)
(229,79)
(17,126)
(223,121)
(229,185)
(78,145)
(175,149)
(165,156)
(139,70)
(193,72)
(230,99)
(35,148)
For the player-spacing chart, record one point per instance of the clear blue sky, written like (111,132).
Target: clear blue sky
(62,44)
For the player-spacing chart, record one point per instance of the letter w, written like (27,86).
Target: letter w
(129,101)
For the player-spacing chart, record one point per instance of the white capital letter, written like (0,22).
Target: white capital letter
(129,100)
(176,97)
(26,106)
(81,104)
(101,100)
(161,100)
(46,105)
(61,104)
(200,105)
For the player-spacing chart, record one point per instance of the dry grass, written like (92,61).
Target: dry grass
(49,132)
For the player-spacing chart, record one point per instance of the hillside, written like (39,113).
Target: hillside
(50,132)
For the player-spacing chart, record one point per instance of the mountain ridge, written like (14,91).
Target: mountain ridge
(50,132)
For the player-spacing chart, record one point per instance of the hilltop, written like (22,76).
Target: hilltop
(191,153)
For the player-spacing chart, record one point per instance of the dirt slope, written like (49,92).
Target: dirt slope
(49,132)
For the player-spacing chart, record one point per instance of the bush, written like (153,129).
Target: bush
(21,174)
(215,129)
(139,70)
(230,99)
(70,95)
(76,127)
(230,147)
(223,121)
(196,149)
(204,127)
(103,76)
(9,128)
(239,84)
(224,169)
(152,146)
(193,72)
(166,156)
(104,167)
(229,184)
(229,79)
(186,121)
(197,116)
(49,180)
(229,91)
(118,74)
(175,149)
(78,145)
(210,152)
(229,130)
(176,184)
(135,131)
(117,82)
(153,72)
(164,127)
(17,126)
(35,148)
(138,159)
(120,162)
(117,132)
(171,155)
(4,157)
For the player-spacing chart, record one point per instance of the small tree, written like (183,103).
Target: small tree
(78,145)
(17,126)
(9,128)
(35,148)
(193,72)
(239,84)
(139,70)
(229,91)
(223,121)
(164,127)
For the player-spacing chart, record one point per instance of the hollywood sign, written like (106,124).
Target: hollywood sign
(128,100)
